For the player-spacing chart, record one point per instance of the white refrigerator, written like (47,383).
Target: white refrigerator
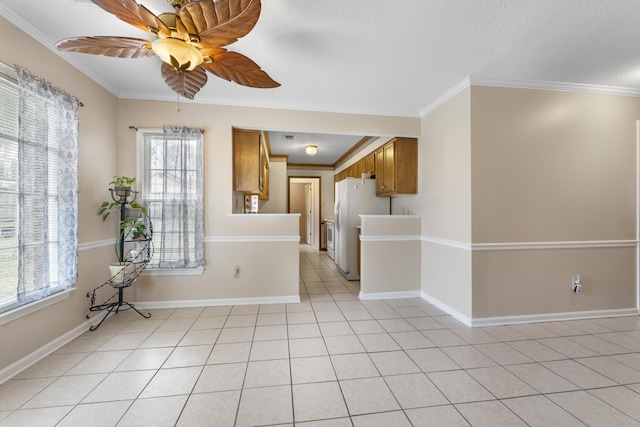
(354,197)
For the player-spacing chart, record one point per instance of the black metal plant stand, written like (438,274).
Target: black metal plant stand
(131,263)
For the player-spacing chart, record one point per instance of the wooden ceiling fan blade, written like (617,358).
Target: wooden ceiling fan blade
(119,47)
(238,68)
(134,14)
(220,22)
(185,84)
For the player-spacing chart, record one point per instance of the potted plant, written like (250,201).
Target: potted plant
(131,230)
(132,226)
(121,188)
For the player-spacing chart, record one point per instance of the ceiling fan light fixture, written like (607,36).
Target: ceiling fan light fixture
(311,150)
(182,52)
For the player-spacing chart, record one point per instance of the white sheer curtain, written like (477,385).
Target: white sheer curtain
(47,188)
(174,196)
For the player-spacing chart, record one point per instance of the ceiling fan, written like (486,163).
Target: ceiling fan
(189,42)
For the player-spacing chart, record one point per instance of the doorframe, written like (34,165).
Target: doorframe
(638,215)
(318,196)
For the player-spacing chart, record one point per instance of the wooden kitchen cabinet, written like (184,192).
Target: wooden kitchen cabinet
(250,163)
(265,177)
(397,167)
(394,165)
(361,167)
(370,163)
(352,171)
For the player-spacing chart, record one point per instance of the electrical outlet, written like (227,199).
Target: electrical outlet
(576,286)
(236,272)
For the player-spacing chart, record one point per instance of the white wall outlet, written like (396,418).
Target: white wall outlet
(576,285)
(236,272)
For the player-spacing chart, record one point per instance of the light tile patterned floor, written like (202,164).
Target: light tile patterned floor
(332,360)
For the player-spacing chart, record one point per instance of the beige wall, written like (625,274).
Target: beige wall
(523,190)
(445,203)
(97,164)
(296,205)
(538,282)
(390,256)
(553,167)
(277,202)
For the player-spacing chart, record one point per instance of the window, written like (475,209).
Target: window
(172,191)
(38,188)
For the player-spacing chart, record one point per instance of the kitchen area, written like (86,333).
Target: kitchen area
(362,187)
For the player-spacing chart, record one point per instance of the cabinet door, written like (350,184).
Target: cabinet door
(379,161)
(246,161)
(264,194)
(360,166)
(389,168)
(250,163)
(352,171)
(261,162)
(406,166)
(370,164)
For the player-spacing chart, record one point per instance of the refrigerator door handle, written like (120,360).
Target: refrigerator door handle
(337,215)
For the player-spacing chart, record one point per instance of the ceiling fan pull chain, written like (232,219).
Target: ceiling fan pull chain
(178,109)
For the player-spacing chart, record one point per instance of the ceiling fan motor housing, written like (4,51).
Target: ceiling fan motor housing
(177,4)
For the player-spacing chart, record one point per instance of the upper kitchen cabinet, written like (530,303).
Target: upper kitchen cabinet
(370,163)
(396,167)
(250,163)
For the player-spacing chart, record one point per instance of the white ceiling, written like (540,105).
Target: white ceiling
(373,56)
(330,147)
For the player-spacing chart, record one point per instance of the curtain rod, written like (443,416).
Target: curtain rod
(10,72)
(132,127)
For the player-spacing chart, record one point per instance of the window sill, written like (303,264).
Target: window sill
(173,271)
(32,307)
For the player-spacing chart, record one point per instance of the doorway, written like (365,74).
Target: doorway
(304,198)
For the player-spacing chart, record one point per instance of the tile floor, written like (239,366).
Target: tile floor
(332,360)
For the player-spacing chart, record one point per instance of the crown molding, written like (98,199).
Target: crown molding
(36,34)
(523,84)
(555,86)
(309,166)
(464,84)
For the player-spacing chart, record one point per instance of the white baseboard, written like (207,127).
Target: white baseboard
(527,318)
(552,317)
(389,295)
(148,305)
(444,307)
(20,365)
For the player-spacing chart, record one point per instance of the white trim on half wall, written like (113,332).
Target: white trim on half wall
(524,246)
